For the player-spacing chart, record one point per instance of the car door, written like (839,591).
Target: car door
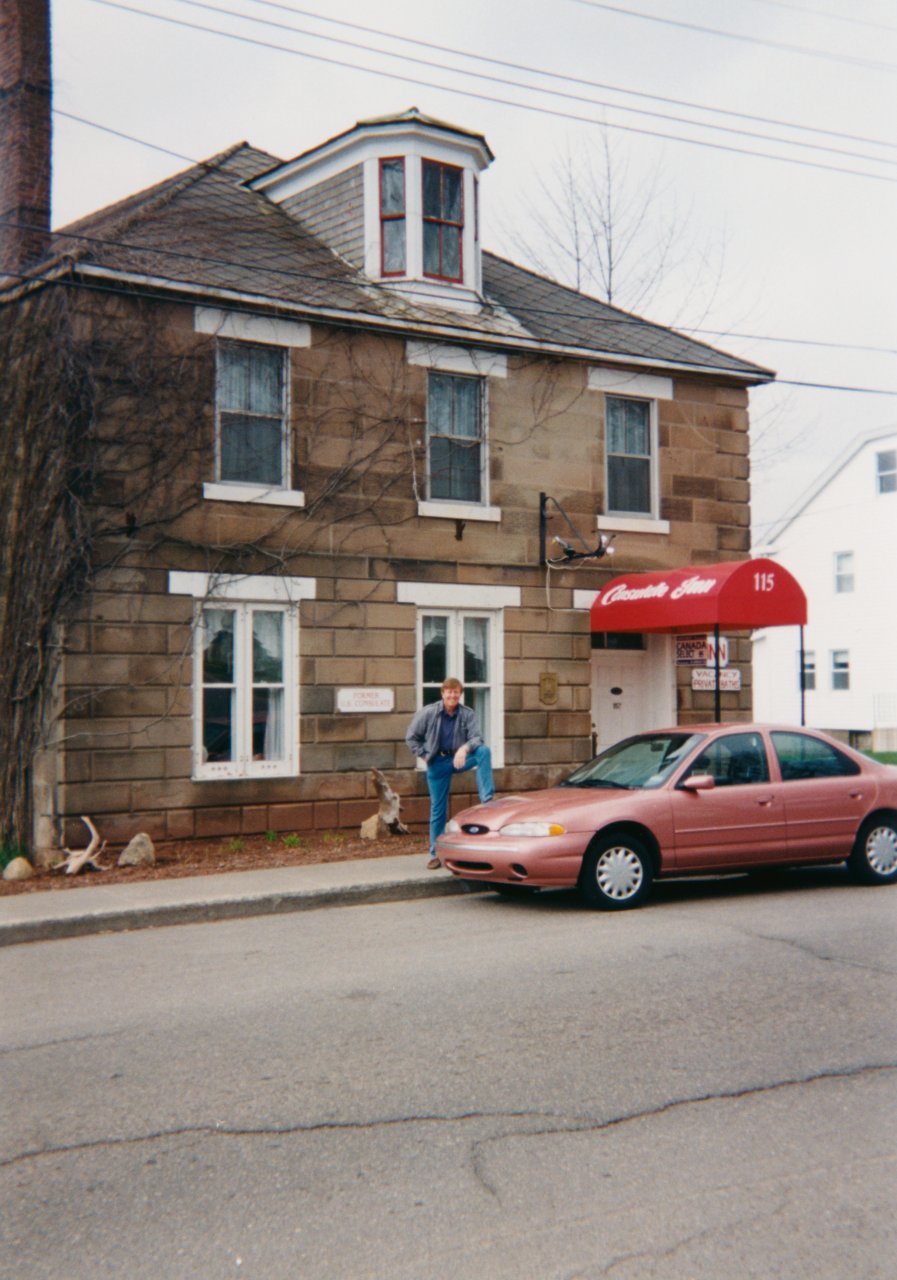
(826,795)
(738,821)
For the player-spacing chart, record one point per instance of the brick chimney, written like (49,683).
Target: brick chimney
(25,132)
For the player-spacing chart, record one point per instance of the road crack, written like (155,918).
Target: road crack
(556,1123)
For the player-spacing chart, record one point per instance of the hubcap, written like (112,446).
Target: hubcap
(619,873)
(881,850)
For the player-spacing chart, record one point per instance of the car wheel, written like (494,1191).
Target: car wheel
(616,873)
(874,856)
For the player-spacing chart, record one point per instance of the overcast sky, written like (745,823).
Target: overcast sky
(795,262)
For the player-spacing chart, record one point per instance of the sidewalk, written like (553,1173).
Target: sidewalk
(67,913)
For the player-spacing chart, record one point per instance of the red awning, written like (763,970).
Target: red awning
(739,595)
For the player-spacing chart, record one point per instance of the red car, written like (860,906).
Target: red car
(685,801)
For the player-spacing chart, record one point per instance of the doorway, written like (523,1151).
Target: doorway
(632,690)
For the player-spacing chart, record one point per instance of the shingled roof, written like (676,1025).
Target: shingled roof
(204,233)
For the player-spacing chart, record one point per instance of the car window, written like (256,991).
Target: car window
(801,756)
(735,760)
(642,762)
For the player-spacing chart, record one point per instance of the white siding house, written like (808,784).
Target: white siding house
(840,542)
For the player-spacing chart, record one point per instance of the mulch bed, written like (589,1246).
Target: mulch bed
(211,857)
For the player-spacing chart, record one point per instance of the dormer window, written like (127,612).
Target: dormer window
(397,198)
(392,216)
(443,215)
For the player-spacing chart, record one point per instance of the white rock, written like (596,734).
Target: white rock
(139,852)
(18,869)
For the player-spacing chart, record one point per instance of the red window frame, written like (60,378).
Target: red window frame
(395,216)
(442,222)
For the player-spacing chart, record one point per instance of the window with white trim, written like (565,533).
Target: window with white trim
(886,471)
(455,437)
(461,643)
(251,417)
(809,674)
(629,453)
(843,572)
(245,673)
(840,669)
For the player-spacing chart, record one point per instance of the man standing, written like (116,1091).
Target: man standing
(447,736)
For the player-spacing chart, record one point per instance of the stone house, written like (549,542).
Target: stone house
(341,442)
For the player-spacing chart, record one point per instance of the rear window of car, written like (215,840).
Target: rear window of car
(801,756)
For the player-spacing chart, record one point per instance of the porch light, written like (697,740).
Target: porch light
(604,547)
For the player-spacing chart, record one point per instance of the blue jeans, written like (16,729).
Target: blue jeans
(440,771)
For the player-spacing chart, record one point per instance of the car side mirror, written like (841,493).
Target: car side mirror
(699,782)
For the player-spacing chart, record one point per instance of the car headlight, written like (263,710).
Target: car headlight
(452,827)
(533,829)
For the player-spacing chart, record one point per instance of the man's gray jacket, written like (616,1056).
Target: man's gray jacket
(423,732)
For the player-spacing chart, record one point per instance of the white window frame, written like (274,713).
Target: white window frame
(457,602)
(886,471)
(493,731)
(243,765)
(439,357)
(222,347)
(482,401)
(631,384)
(844,576)
(840,659)
(653,469)
(257,330)
(247,593)
(809,670)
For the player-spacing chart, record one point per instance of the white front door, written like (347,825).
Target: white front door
(632,690)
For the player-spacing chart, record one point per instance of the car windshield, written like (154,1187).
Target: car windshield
(640,763)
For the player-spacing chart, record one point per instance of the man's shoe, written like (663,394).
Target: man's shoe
(434,864)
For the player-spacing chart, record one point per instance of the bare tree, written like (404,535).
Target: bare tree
(597,226)
(106,432)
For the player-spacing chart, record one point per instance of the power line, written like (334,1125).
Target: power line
(522,106)
(517,84)
(746,39)
(129,137)
(554,75)
(830,17)
(523,309)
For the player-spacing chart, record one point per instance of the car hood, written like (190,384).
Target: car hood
(572,807)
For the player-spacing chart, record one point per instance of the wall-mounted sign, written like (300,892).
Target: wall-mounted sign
(691,651)
(355,701)
(700,651)
(705,678)
(548,688)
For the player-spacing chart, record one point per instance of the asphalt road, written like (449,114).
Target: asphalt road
(464,1088)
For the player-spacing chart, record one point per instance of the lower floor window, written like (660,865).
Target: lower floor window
(840,669)
(809,671)
(464,644)
(245,712)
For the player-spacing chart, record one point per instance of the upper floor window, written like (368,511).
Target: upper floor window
(843,571)
(252,438)
(630,463)
(443,210)
(392,216)
(886,468)
(455,444)
(840,669)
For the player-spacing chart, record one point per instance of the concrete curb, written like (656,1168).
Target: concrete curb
(55,914)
